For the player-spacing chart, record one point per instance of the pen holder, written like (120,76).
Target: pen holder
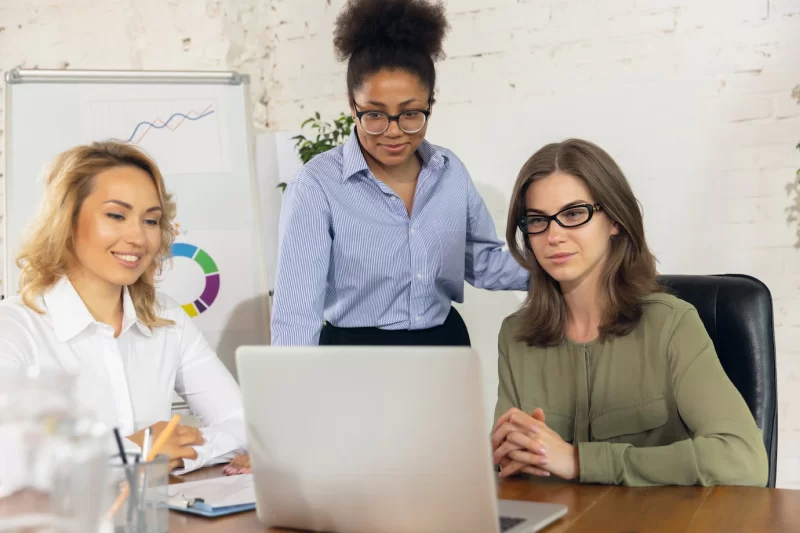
(145,509)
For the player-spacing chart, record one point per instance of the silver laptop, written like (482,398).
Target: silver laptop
(374,440)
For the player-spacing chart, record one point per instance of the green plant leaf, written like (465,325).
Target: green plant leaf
(328,135)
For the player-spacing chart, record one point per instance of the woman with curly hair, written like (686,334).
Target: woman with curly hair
(88,306)
(378,236)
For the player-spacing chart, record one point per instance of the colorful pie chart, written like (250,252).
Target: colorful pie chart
(210,270)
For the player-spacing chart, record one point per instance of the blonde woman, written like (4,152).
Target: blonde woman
(88,305)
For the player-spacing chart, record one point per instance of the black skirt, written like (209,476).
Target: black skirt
(452,333)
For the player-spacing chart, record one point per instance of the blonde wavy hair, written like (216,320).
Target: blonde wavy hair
(48,250)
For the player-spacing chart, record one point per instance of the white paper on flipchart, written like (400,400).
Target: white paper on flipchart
(216,492)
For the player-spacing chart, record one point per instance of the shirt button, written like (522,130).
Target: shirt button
(413,231)
(419,276)
(417,318)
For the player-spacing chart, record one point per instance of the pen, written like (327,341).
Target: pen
(147,441)
(128,474)
(146,446)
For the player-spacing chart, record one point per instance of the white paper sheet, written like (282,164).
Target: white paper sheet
(216,492)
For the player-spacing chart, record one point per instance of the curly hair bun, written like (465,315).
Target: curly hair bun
(417,25)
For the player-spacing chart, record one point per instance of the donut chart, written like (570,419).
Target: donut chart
(211,289)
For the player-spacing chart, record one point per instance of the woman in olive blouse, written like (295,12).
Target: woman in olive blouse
(603,378)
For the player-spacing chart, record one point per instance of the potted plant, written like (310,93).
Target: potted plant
(329,135)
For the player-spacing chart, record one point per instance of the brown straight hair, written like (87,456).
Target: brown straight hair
(629,273)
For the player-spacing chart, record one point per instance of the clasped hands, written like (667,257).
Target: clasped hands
(523,442)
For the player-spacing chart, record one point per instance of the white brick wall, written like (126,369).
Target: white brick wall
(692,98)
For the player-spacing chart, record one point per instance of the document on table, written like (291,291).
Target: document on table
(214,497)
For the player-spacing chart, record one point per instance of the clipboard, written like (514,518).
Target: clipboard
(213,497)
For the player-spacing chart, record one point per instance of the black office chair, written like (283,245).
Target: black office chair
(737,313)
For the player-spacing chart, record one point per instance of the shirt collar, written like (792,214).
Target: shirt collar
(70,316)
(353,158)
(129,317)
(431,155)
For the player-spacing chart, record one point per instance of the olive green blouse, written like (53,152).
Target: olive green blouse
(654,407)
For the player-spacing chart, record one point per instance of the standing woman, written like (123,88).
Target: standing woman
(378,236)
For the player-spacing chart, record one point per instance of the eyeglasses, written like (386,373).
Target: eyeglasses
(570,217)
(376,122)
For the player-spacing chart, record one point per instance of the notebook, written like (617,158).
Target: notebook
(213,497)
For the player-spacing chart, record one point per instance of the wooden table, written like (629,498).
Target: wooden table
(597,509)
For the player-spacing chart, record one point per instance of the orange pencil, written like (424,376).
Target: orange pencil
(160,441)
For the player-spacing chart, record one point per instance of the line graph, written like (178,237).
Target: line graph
(184,136)
(159,124)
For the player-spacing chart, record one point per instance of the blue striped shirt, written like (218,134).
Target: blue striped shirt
(350,254)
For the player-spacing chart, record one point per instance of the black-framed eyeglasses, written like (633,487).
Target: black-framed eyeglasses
(376,122)
(570,217)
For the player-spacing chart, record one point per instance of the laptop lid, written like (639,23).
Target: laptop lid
(368,439)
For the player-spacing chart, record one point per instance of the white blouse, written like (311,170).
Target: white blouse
(128,381)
